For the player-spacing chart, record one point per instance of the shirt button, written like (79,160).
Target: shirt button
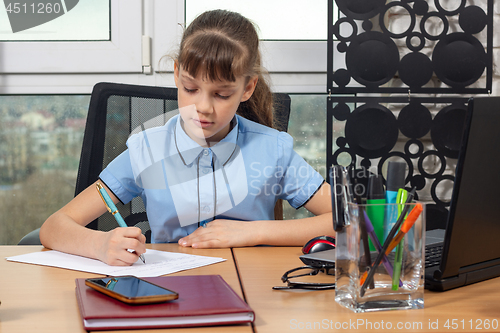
(206,209)
(205,152)
(205,171)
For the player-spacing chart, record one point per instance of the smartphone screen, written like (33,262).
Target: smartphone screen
(131,289)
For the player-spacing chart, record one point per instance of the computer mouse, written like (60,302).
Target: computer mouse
(320,243)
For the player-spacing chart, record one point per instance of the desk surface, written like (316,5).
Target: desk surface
(261,268)
(42,299)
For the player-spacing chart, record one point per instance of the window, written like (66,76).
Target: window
(40,143)
(55,21)
(297,20)
(56,47)
(307,126)
(293,33)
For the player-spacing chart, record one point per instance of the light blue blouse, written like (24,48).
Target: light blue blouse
(182,183)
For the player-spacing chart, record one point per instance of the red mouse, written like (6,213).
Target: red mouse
(320,243)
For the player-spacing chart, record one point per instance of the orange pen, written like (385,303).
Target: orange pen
(407,224)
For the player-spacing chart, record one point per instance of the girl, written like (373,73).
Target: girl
(216,162)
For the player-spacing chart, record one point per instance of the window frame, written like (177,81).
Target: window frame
(122,54)
(294,66)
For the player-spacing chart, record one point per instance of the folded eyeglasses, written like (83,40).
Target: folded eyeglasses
(293,283)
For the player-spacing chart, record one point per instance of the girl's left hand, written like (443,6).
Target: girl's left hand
(222,234)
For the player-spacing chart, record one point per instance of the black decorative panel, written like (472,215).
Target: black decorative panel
(425,133)
(380,46)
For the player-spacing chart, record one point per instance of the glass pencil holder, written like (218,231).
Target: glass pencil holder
(367,280)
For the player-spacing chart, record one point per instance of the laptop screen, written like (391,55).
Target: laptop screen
(473,230)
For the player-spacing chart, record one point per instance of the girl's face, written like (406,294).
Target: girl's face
(215,104)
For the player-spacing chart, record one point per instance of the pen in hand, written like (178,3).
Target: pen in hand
(113,210)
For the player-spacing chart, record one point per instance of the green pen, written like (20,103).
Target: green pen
(375,208)
(400,200)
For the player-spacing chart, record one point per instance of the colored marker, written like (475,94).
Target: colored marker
(337,189)
(395,181)
(392,233)
(364,235)
(373,237)
(407,224)
(375,200)
(342,195)
(398,259)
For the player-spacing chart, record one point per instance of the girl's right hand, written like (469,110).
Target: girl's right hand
(115,246)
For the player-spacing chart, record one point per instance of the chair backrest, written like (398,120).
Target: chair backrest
(115,111)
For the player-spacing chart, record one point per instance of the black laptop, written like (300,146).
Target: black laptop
(471,246)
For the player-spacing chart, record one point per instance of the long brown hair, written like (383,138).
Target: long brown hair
(224,45)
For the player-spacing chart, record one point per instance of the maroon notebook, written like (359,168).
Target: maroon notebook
(204,300)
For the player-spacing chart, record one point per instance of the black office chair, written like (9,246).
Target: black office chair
(115,111)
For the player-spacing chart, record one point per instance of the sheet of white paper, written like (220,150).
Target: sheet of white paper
(157,263)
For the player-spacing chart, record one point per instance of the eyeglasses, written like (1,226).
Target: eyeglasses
(292,283)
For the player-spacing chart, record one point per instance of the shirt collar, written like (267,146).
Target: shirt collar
(189,150)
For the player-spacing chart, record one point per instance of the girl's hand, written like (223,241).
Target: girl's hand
(115,245)
(222,234)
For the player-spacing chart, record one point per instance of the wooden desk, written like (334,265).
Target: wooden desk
(261,268)
(42,299)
